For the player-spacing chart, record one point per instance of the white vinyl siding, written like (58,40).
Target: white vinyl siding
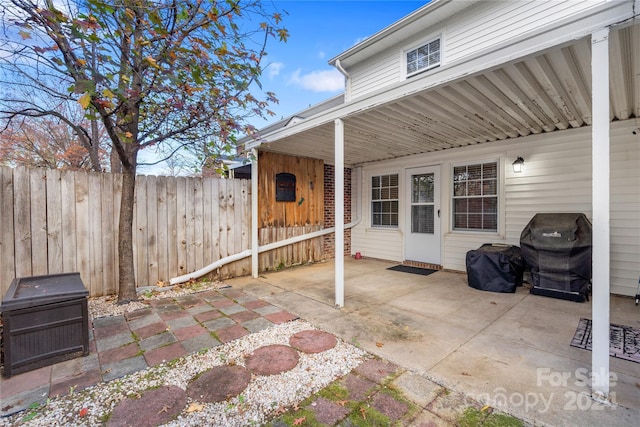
(372,75)
(557,178)
(375,242)
(492,23)
(625,209)
(481,27)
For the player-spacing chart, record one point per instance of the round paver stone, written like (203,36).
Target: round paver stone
(272,359)
(153,408)
(312,341)
(219,384)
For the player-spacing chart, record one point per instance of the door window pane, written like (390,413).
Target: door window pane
(422,188)
(422,220)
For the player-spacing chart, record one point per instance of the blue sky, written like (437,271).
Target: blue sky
(298,70)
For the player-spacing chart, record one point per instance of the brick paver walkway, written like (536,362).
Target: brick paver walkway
(120,345)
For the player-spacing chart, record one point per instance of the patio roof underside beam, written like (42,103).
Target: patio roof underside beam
(544,92)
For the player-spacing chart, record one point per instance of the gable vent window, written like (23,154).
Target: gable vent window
(423,58)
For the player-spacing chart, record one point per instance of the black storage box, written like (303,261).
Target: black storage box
(45,321)
(495,268)
(557,249)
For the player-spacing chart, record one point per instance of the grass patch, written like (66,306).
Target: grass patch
(291,417)
(366,416)
(334,392)
(198,285)
(473,417)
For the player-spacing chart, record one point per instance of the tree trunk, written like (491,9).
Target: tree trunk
(127,283)
(94,148)
(114,161)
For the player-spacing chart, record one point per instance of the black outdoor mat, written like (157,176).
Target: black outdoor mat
(413,270)
(624,341)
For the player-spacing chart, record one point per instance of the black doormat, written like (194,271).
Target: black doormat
(412,270)
(624,341)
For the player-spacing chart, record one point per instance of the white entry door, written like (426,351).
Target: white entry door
(422,225)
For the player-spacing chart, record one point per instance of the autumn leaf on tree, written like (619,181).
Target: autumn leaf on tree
(162,75)
(85,100)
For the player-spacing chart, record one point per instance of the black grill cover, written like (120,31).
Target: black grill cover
(557,249)
(495,268)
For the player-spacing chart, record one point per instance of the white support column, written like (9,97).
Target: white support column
(600,205)
(254,213)
(339,211)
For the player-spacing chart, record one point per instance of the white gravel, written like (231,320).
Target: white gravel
(108,306)
(263,399)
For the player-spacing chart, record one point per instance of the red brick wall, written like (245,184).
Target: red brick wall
(329,210)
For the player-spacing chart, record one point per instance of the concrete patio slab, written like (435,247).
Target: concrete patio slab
(488,347)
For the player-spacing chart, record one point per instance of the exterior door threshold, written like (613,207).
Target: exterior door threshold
(420,264)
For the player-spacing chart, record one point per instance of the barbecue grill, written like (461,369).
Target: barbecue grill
(557,249)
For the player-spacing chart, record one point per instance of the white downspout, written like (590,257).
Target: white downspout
(270,246)
(347,85)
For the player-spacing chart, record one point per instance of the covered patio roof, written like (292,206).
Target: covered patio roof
(544,91)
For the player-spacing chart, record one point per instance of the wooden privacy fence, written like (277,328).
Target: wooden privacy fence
(55,221)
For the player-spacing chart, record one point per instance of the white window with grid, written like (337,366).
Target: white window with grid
(475,197)
(424,57)
(384,201)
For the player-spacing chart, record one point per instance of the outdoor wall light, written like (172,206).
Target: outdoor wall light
(518,165)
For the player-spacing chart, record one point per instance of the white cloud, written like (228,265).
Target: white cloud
(360,40)
(274,68)
(321,54)
(318,81)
